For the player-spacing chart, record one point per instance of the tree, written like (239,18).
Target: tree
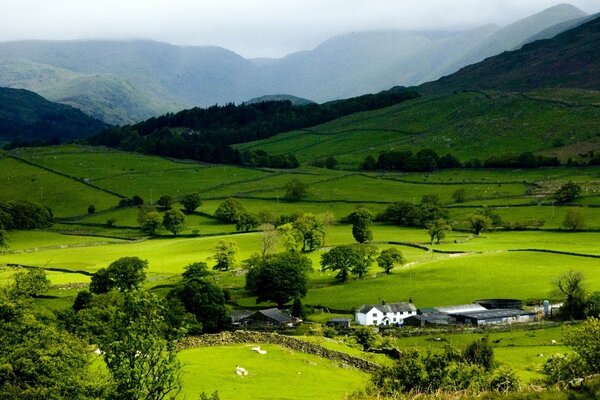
(365,337)
(269,238)
(459,195)
(570,285)
(478,223)
(3,239)
(480,352)
(583,338)
(149,220)
(246,221)
(30,283)
(369,164)
(367,255)
(191,201)
(311,231)
(174,221)
(39,359)
(290,237)
(574,219)
(124,274)
(82,300)
(437,229)
(567,192)
(166,202)
(91,209)
(343,259)
(141,361)
(229,210)
(388,258)
(361,220)
(204,300)
(330,162)
(280,278)
(224,255)
(295,190)
(197,270)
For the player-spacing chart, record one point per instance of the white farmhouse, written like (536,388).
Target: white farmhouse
(384,314)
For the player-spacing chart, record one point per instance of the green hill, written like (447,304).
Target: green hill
(26,116)
(467,125)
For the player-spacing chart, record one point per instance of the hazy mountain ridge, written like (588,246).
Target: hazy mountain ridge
(569,60)
(124,82)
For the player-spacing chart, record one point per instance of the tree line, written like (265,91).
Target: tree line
(427,160)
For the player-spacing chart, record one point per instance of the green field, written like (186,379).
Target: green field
(279,374)
(524,350)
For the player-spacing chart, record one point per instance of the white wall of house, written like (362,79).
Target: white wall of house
(376,317)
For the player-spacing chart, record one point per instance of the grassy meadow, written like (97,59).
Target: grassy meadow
(279,374)
(461,269)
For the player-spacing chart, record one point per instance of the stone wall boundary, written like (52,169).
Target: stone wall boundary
(289,342)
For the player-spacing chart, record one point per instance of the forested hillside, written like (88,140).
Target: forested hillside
(206,134)
(26,117)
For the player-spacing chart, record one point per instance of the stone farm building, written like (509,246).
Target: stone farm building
(384,314)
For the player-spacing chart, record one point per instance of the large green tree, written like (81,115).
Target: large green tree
(280,278)
(567,192)
(571,286)
(224,255)
(149,220)
(478,223)
(140,359)
(229,210)
(311,231)
(191,201)
(40,360)
(437,229)
(31,282)
(124,274)
(574,219)
(174,221)
(204,300)
(295,190)
(361,220)
(388,258)
(343,259)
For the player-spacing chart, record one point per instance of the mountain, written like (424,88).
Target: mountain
(27,117)
(296,101)
(569,60)
(125,82)
(514,35)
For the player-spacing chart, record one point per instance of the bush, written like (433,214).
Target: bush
(561,368)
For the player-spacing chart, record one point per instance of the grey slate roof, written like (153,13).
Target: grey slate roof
(388,308)
(274,314)
(461,308)
(340,320)
(492,314)
(432,317)
(237,315)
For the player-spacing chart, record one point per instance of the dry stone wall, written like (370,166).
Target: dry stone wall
(292,343)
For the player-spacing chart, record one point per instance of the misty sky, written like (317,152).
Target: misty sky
(252,28)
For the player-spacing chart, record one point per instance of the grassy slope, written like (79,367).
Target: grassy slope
(280,374)
(467,125)
(64,196)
